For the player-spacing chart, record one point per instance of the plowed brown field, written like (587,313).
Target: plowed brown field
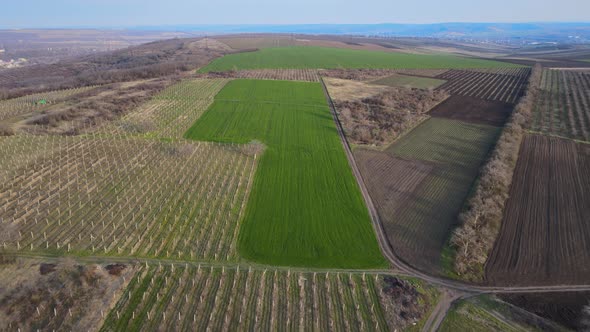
(474,110)
(545,235)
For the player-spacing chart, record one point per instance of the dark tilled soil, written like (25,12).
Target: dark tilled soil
(46,268)
(474,110)
(545,233)
(115,269)
(563,308)
(394,185)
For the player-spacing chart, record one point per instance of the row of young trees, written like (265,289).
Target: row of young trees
(184,297)
(124,196)
(480,223)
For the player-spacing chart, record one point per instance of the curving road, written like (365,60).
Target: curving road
(402,267)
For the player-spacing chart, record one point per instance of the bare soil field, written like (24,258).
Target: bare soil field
(545,234)
(420,182)
(306,75)
(474,110)
(506,85)
(563,308)
(348,90)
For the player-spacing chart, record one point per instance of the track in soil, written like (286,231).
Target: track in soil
(545,234)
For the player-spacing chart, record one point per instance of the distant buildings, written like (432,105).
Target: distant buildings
(12,63)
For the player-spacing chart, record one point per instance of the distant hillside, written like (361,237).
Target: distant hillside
(526,32)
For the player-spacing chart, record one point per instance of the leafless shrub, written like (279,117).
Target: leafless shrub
(147,61)
(379,119)
(481,221)
(95,106)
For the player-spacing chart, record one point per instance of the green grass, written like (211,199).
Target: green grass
(409,81)
(300,57)
(305,208)
(449,142)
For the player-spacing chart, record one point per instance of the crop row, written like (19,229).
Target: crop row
(30,103)
(490,86)
(545,235)
(563,105)
(511,71)
(174,298)
(442,158)
(170,113)
(123,196)
(305,208)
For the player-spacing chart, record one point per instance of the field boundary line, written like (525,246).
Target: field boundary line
(403,268)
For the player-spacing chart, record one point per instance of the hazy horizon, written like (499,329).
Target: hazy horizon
(137,13)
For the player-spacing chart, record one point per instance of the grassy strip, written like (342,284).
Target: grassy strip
(299,57)
(305,208)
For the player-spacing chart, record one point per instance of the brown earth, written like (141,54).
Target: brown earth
(474,110)
(563,308)
(395,183)
(348,90)
(545,233)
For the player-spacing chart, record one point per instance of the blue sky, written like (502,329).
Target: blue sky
(118,13)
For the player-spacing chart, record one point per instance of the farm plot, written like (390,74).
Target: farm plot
(246,43)
(499,85)
(302,57)
(420,182)
(474,110)
(563,105)
(375,74)
(545,234)
(179,298)
(306,75)
(124,196)
(305,208)
(409,81)
(38,102)
(170,113)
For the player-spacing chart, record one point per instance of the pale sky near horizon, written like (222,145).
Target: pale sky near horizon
(120,13)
